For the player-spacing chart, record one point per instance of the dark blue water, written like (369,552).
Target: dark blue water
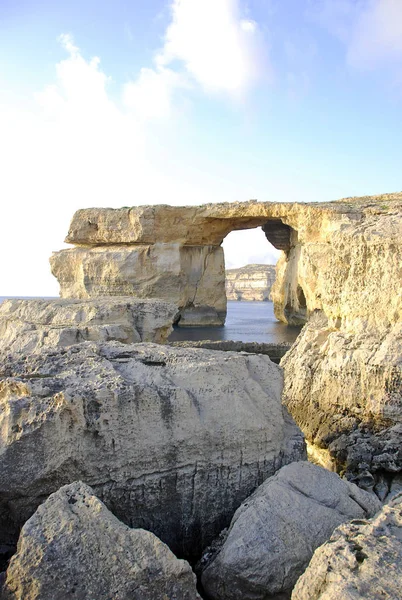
(245,322)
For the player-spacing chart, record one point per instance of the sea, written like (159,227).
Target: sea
(245,322)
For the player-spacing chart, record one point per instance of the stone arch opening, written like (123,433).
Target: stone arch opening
(175,254)
(250,261)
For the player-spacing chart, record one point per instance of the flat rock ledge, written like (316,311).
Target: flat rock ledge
(275,351)
(362,559)
(274,533)
(73,547)
(173,440)
(28,325)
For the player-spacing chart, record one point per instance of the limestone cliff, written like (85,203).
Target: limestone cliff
(340,263)
(252,282)
(174,253)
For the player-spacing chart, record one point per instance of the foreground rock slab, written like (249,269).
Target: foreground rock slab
(361,560)
(28,325)
(171,439)
(345,391)
(274,533)
(73,547)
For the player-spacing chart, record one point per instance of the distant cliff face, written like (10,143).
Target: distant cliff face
(252,282)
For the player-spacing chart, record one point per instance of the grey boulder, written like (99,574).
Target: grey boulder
(172,440)
(73,547)
(361,560)
(274,532)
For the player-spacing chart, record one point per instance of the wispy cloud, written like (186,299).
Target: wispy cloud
(371,30)
(377,37)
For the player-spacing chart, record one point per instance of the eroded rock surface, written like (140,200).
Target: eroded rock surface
(362,559)
(332,255)
(252,282)
(340,261)
(345,391)
(171,439)
(73,547)
(274,533)
(28,325)
(193,278)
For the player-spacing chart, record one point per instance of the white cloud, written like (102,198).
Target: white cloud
(248,247)
(73,146)
(152,95)
(218,48)
(371,30)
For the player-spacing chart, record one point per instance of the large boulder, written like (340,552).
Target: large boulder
(171,439)
(73,547)
(362,559)
(274,532)
(28,325)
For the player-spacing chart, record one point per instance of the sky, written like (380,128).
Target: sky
(183,102)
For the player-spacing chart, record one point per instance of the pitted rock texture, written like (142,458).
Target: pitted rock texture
(252,282)
(345,392)
(73,547)
(362,559)
(193,278)
(275,531)
(171,439)
(341,260)
(28,325)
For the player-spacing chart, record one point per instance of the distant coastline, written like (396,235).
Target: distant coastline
(250,283)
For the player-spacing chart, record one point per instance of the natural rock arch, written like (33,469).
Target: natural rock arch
(167,252)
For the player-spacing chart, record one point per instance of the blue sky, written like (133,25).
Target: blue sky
(189,101)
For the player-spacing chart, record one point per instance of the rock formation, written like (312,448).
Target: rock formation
(340,268)
(252,282)
(362,559)
(192,277)
(28,325)
(274,533)
(344,390)
(171,439)
(73,547)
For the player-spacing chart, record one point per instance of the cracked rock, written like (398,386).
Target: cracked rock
(73,547)
(274,533)
(362,559)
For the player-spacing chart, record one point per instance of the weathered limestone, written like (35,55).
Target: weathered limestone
(73,547)
(252,282)
(274,533)
(344,390)
(330,261)
(362,559)
(171,439)
(28,325)
(341,262)
(192,277)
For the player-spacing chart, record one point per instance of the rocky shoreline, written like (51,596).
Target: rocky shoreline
(135,469)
